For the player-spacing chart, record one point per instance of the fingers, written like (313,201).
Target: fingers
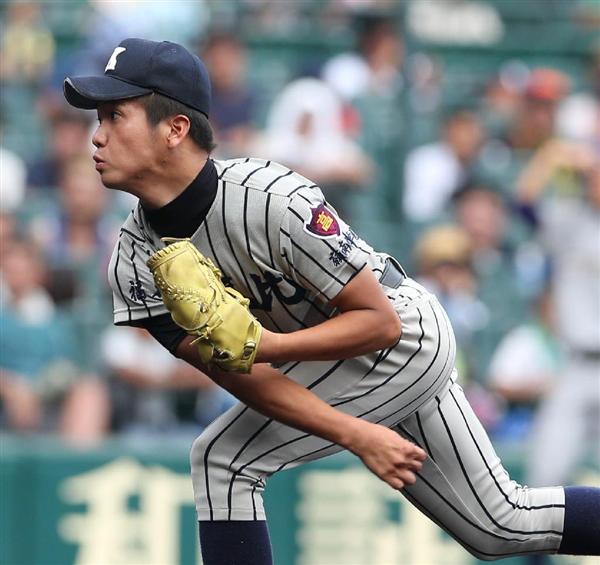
(414,458)
(413,465)
(407,469)
(415,452)
(402,479)
(395,483)
(408,478)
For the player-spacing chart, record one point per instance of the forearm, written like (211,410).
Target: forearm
(181,378)
(347,335)
(392,458)
(536,176)
(553,155)
(274,395)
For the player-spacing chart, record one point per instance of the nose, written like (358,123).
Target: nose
(99,137)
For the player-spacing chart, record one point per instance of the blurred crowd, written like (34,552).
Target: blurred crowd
(483,180)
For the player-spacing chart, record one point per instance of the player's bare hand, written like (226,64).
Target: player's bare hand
(392,458)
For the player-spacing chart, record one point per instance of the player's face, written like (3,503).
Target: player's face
(127,147)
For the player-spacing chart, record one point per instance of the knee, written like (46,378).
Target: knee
(485,553)
(496,544)
(492,549)
(209,476)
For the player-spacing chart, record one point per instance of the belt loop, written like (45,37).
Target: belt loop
(393,275)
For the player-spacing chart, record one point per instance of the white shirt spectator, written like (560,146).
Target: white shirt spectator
(571,233)
(125,348)
(12,180)
(431,174)
(525,358)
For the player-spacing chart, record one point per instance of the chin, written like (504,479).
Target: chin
(111,182)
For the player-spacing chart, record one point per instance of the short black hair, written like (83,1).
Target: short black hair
(159,107)
(459,112)
(479,183)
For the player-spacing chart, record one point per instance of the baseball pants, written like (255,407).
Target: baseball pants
(410,388)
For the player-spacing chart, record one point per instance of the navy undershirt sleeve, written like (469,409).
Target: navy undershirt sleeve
(164,330)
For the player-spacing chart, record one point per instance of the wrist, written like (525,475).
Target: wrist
(269,347)
(351,434)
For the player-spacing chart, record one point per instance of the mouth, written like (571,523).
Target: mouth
(100,163)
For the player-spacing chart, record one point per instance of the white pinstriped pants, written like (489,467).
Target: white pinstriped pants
(410,388)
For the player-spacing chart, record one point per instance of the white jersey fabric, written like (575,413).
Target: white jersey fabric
(279,243)
(273,237)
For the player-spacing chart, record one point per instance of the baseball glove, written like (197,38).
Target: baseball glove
(227,334)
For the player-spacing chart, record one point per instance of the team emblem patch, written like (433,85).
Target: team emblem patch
(323,222)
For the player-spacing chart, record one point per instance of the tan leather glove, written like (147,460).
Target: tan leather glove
(227,333)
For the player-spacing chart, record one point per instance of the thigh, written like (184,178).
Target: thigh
(384,388)
(234,455)
(465,489)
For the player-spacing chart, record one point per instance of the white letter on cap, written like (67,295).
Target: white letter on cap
(112,62)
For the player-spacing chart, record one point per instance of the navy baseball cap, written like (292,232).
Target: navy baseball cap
(138,67)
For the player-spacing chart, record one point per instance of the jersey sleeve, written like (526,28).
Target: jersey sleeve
(135,296)
(318,249)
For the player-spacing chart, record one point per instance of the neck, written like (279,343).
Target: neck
(169,180)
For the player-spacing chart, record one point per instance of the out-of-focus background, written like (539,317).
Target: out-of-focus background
(461,136)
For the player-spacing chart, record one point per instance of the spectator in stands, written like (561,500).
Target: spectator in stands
(578,117)
(42,388)
(12,180)
(305,132)
(107,23)
(27,45)
(433,172)
(536,118)
(233,103)
(533,124)
(482,211)
(501,98)
(155,393)
(443,256)
(374,67)
(8,234)
(383,50)
(370,82)
(69,136)
(79,233)
(525,366)
(569,227)
(77,237)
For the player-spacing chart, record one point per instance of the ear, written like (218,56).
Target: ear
(179,126)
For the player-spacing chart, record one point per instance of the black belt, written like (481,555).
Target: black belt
(393,274)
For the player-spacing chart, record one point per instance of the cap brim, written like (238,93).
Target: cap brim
(88,92)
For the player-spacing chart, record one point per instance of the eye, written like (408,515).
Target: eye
(114,115)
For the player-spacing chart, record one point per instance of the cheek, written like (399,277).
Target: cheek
(134,151)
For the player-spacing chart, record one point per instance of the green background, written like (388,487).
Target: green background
(121,506)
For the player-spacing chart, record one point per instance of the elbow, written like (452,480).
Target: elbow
(391,331)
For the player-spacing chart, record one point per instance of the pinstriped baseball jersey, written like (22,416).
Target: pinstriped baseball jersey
(279,243)
(272,235)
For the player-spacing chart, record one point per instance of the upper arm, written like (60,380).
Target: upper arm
(318,249)
(364,292)
(135,296)
(164,330)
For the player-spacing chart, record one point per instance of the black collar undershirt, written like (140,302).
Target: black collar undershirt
(182,217)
